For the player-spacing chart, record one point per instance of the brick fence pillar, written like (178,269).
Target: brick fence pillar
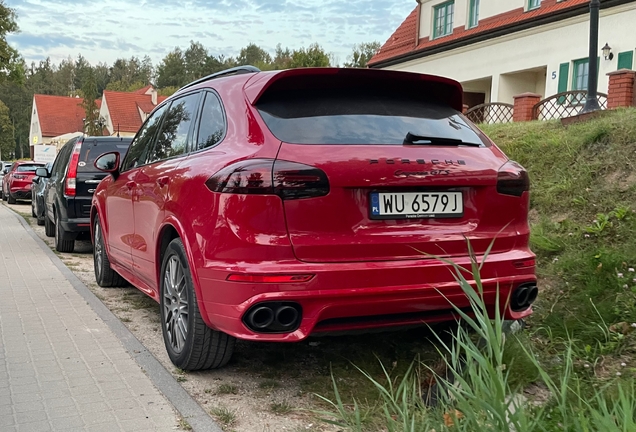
(523,106)
(621,92)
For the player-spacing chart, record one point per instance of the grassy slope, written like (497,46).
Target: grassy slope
(583,218)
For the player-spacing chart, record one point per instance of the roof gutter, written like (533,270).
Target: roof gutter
(498,32)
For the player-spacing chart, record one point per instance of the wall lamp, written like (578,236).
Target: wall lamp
(607,52)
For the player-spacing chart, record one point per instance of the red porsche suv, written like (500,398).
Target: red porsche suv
(270,206)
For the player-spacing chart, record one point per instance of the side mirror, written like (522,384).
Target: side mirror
(108,162)
(42,172)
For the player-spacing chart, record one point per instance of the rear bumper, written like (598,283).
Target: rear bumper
(359,296)
(76,225)
(21,193)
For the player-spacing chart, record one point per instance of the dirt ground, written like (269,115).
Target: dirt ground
(266,386)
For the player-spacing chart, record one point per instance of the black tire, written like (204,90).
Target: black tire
(49,228)
(40,221)
(105,276)
(201,347)
(62,245)
(10,199)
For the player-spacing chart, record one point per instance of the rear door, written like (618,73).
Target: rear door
(88,177)
(407,176)
(155,184)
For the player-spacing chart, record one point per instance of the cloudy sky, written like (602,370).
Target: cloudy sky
(104,30)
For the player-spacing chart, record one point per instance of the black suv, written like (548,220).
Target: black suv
(69,191)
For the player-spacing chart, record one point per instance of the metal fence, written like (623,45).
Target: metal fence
(495,112)
(565,104)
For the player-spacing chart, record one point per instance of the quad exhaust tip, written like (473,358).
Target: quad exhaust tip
(523,297)
(273,317)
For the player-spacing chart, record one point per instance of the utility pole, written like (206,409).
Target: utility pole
(591,101)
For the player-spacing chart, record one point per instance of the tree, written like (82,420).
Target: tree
(65,78)
(171,72)
(102,76)
(282,58)
(253,55)
(361,54)
(18,100)
(132,70)
(121,86)
(11,64)
(83,69)
(93,123)
(313,56)
(196,61)
(7,143)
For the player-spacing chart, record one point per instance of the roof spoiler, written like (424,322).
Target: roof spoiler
(432,88)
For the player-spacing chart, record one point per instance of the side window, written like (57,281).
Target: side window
(212,125)
(60,161)
(142,141)
(173,138)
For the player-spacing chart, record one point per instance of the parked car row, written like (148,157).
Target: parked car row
(271,206)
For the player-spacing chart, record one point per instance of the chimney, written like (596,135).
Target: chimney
(153,95)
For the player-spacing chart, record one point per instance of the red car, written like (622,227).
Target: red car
(270,206)
(16,184)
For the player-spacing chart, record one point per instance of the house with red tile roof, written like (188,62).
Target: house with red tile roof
(54,116)
(56,119)
(124,113)
(501,48)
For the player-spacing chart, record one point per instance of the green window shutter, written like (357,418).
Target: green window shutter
(626,60)
(564,73)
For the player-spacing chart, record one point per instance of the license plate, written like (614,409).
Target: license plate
(416,205)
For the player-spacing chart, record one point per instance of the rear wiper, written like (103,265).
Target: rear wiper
(412,139)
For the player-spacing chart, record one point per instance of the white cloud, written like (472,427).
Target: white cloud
(110,29)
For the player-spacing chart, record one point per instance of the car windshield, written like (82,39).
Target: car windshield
(28,168)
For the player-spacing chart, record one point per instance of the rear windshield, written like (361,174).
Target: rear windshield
(92,149)
(28,168)
(360,118)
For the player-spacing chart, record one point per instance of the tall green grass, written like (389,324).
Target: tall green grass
(475,393)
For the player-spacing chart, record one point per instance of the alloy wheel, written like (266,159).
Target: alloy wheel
(175,303)
(98,250)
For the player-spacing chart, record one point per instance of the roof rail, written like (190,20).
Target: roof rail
(232,71)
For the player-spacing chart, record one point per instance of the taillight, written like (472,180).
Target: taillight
(289,180)
(512,179)
(71,171)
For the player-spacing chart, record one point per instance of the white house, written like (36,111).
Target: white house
(501,48)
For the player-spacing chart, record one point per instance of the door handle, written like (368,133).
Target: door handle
(130,185)
(162,181)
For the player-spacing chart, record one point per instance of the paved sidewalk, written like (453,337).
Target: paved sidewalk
(62,367)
